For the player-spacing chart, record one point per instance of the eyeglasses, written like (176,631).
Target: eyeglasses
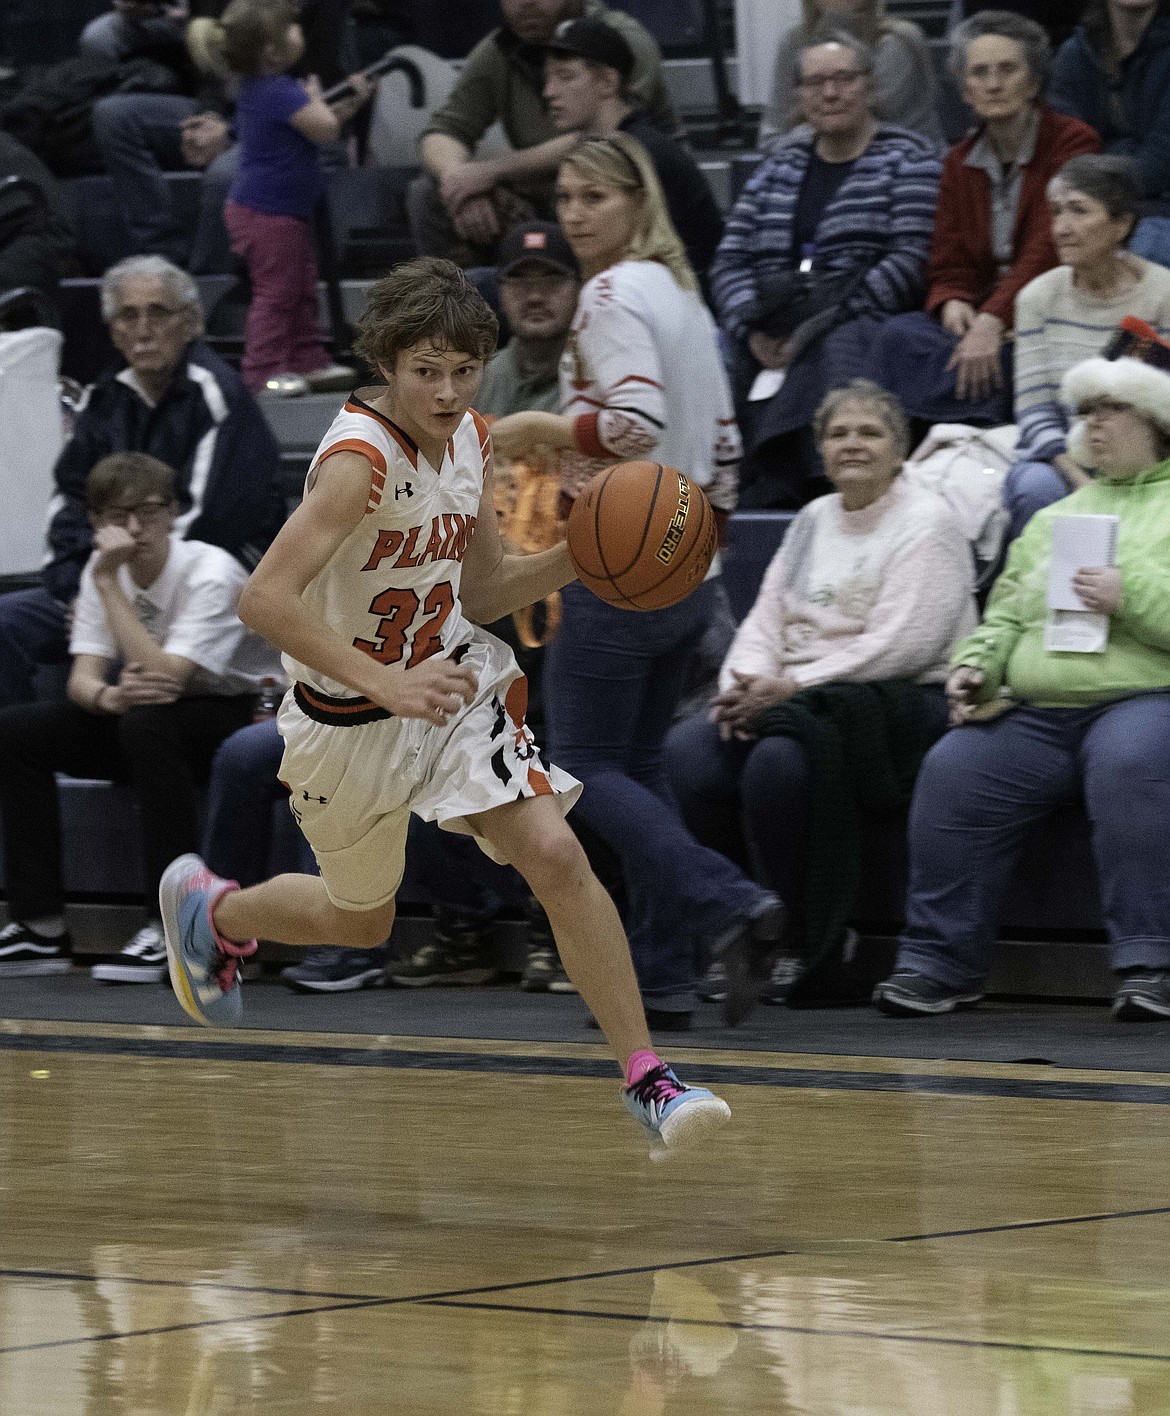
(151,315)
(817,83)
(147,513)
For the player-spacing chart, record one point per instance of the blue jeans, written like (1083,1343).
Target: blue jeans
(138,136)
(243,788)
(115,37)
(612,681)
(32,632)
(753,800)
(982,787)
(1027,489)
(909,357)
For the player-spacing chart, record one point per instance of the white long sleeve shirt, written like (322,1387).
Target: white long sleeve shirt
(642,377)
(880,593)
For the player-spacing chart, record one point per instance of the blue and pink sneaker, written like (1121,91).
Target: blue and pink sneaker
(673,1115)
(204,967)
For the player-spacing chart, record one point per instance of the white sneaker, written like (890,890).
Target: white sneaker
(143,960)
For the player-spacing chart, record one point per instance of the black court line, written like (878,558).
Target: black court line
(867,1335)
(799,1078)
(1028,1224)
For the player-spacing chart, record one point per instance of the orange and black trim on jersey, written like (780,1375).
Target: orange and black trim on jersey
(344,712)
(408,445)
(373,457)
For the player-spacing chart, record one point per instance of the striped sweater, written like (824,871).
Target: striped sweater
(880,220)
(1058,326)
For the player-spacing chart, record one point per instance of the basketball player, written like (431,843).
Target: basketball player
(374,589)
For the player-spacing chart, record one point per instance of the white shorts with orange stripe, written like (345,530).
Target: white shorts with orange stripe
(353,786)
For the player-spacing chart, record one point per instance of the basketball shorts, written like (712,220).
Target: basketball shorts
(352,788)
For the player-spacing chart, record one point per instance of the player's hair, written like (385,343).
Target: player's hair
(869,395)
(425,301)
(135,472)
(617,160)
(237,40)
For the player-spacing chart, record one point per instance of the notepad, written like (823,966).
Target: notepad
(1078,542)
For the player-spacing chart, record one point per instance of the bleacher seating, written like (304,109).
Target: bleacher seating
(1054,891)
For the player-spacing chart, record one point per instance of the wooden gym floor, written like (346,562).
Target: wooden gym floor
(198,1224)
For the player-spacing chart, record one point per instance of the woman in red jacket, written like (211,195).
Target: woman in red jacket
(992,233)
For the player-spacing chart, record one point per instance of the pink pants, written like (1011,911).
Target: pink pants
(280,334)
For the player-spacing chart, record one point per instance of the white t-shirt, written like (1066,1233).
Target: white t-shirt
(189,611)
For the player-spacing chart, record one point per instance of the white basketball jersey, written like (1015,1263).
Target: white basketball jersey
(392,587)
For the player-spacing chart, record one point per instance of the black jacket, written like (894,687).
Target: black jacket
(209,428)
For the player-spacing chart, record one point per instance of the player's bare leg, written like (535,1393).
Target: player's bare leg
(211,924)
(294,909)
(532,835)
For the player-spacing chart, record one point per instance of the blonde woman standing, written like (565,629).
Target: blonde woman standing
(641,377)
(903,76)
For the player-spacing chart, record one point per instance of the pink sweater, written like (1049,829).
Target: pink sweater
(861,595)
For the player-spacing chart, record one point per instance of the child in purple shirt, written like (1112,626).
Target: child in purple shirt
(280,123)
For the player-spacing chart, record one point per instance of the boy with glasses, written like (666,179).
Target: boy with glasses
(162,671)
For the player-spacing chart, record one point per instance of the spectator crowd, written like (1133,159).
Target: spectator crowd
(932,253)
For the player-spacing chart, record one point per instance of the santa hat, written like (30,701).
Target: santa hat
(1134,370)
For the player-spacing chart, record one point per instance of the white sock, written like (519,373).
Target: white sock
(48,926)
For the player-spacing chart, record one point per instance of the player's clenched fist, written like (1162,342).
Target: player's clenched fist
(435,690)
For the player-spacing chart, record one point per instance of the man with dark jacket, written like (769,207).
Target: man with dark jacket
(36,243)
(586,76)
(177,401)
(1119,83)
(462,205)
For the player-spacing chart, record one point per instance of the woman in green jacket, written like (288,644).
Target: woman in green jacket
(1040,717)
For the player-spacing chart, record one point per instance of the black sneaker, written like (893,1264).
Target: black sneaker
(457,954)
(911,995)
(1143,996)
(785,972)
(143,960)
(24,954)
(746,952)
(332,970)
(713,985)
(544,972)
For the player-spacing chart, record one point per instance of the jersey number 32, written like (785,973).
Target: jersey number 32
(398,609)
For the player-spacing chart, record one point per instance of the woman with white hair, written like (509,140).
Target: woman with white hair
(1052,705)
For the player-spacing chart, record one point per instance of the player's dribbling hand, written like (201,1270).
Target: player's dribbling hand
(435,691)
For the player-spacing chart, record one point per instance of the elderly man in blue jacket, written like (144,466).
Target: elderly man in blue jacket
(176,400)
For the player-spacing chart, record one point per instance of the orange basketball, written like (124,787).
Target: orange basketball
(641,535)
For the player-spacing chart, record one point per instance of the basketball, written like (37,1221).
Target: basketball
(641,535)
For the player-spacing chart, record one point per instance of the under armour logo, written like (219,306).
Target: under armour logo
(324,801)
(406,490)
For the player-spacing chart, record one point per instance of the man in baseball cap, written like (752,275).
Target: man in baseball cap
(539,284)
(587,69)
